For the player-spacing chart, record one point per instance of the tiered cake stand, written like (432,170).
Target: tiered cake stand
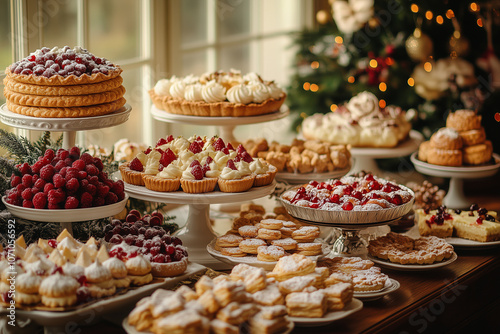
(69,127)
(455,197)
(225,125)
(198,233)
(364,157)
(350,223)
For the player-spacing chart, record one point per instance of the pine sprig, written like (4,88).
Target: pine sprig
(13,144)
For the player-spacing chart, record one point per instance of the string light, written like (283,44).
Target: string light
(411,82)
(427,66)
(474,7)
(389,61)
(457,34)
(333,107)
(306,86)
(414,8)
(429,15)
(350,79)
(373,63)
(439,19)
(450,14)
(382,86)
(314,88)
(382,103)
(497,117)
(314,64)
(339,40)
(480,22)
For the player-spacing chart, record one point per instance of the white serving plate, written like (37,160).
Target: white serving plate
(349,218)
(299,178)
(413,267)
(131,329)
(252,260)
(66,215)
(95,310)
(65,124)
(390,286)
(354,306)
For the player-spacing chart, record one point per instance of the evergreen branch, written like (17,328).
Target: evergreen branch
(13,145)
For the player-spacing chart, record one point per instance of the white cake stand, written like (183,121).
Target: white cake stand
(364,157)
(455,197)
(226,125)
(198,233)
(67,125)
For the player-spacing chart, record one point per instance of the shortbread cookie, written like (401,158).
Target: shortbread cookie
(473,137)
(478,154)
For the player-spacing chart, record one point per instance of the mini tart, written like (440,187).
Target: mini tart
(478,154)
(139,270)
(207,184)
(169,269)
(266,178)
(156,183)
(157,99)
(118,271)
(236,185)
(59,290)
(99,280)
(131,176)
(27,286)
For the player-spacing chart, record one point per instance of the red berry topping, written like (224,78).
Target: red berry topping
(155,221)
(136,165)
(167,157)
(245,156)
(219,144)
(230,164)
(194,163)
(170,138)
(335,198)
(230,147)
(397,200)
(240,149)
(52,243)
(225,150)
(197,172)
(347,206)
(161,141)
(195,147)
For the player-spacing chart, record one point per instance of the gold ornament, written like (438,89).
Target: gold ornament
(323,16)
(459,45)
(419,46)
(373,23)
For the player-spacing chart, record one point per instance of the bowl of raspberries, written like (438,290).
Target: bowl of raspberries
(59,183)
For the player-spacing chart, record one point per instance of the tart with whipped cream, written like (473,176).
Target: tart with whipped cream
(63,82)
(217,94)
(359,123)
(197,165)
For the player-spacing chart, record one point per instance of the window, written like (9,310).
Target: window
(153,39)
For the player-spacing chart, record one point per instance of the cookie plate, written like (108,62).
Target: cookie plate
(354,306)
(413,267)
(252,259)
(391,286)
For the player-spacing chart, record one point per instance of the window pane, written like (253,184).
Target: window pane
(237,57)
(5,42)
(58,23)
(194,63)
(131,129)
(193,21)
(114,29)
(233,17)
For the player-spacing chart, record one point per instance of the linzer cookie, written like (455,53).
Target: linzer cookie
(63,82)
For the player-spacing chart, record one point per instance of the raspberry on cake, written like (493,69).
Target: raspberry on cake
(63,82)
(218,94)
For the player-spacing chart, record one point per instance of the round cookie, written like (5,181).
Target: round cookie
(444,157)
(250,245)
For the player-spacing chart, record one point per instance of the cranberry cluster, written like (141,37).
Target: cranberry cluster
(146,233)
(439,217)
(65,63)
(63,180)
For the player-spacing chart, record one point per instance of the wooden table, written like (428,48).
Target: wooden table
(461,297)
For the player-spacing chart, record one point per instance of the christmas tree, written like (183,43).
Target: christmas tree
(428,56)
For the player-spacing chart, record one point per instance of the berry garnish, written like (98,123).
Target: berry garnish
(167,157)
(195,147)
(218,145)
(136,165)
(347,206)
(230,164)
(197,172)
